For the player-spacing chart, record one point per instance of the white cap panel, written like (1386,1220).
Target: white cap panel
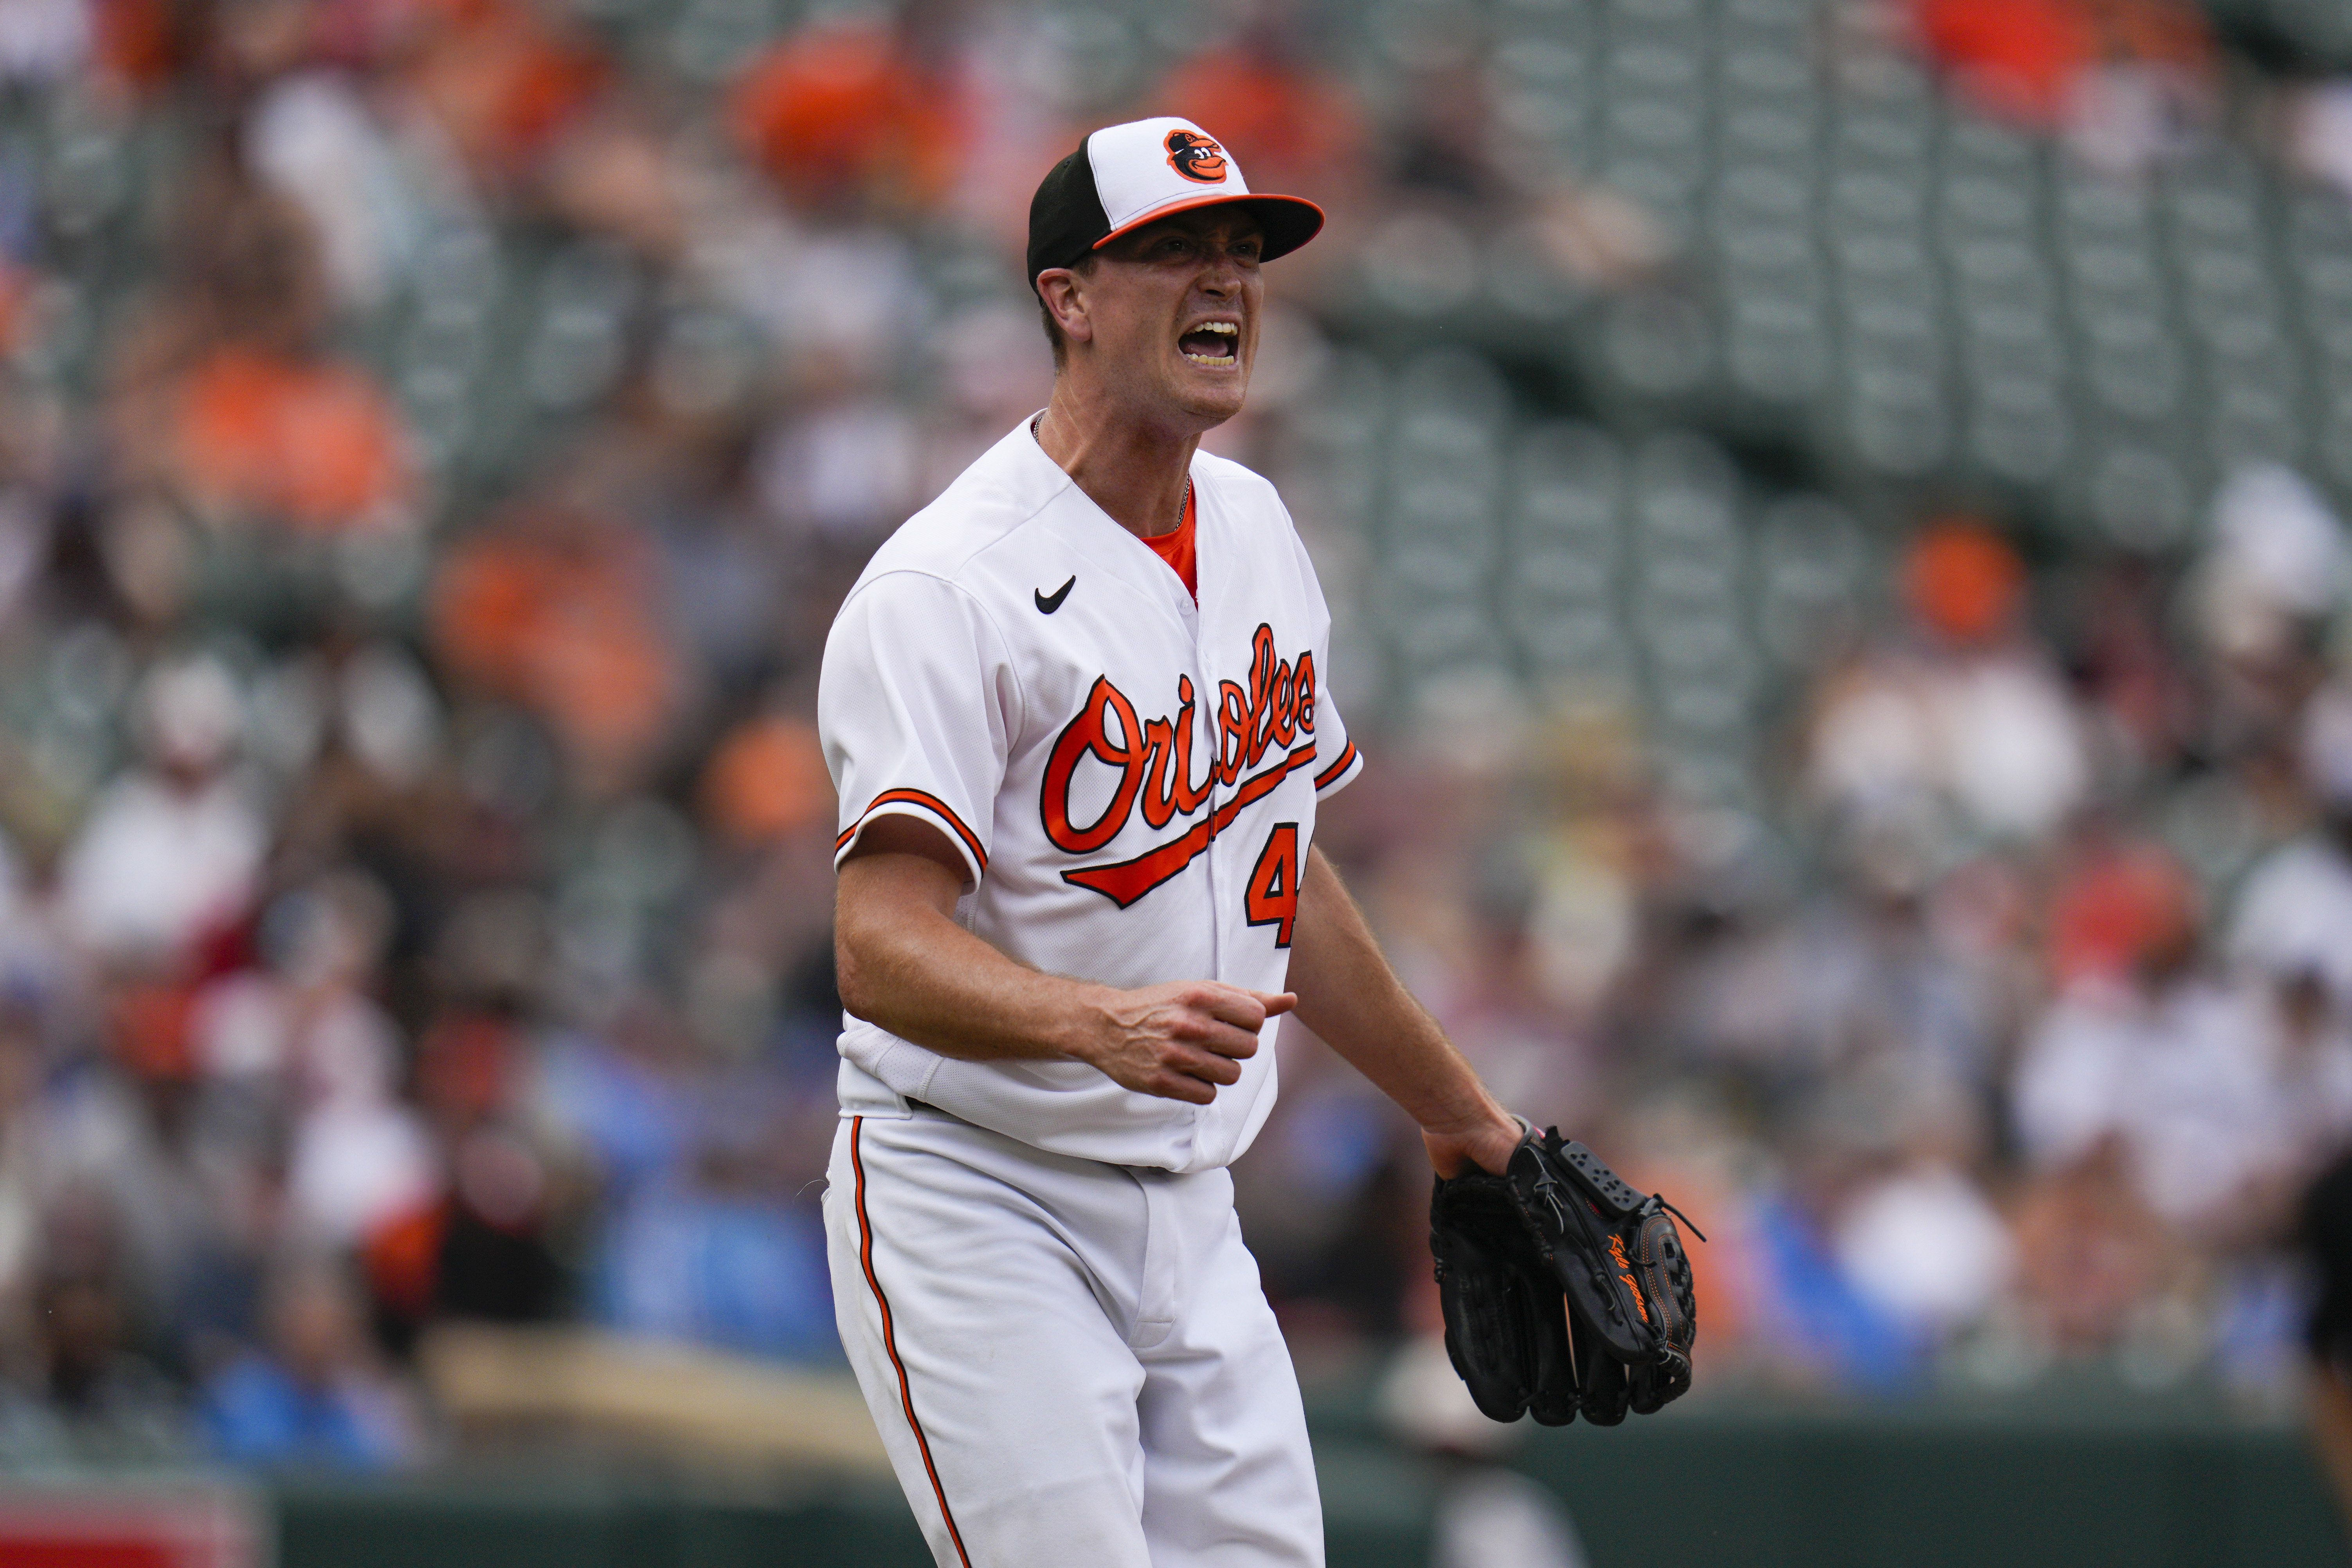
(1146,164)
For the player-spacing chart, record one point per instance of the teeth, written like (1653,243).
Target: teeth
(1216,329)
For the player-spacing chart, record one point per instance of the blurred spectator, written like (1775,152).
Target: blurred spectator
(1965,725)
(2091,1255)
(1845,984)
(504,81)
(315,137)
(2314,1073)
(856,116)
(357,1153)
(2117,904)
(713,1253)
(314,444)
(2294,912)
(2276,566)
(1922,1241)
(315,1396)
(765,780)
(170,854)
(846,470)
(1822,1328)
(550,611)
(92,1397)
(2318,131)
(2123,78)
(2170,1061)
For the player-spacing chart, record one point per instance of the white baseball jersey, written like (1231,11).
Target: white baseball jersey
(1131,778)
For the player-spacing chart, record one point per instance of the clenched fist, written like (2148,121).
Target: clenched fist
(1181,1040)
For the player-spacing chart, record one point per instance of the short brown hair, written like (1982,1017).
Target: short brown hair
(1084,266)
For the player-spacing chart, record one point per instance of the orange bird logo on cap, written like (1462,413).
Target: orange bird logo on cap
(1196,157)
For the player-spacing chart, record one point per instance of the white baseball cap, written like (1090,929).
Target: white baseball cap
(1124,176)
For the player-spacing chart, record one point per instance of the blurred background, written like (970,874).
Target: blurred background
(1833,510)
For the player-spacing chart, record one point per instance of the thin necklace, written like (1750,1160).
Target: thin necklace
(1181,506)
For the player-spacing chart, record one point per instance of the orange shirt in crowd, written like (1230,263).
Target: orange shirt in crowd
(2022,58)
(2118,909)
(839,110)
(504,82)
(312,444)
(767,780)
(1964,580)
(562,620)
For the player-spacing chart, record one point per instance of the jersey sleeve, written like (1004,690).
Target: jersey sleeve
(914,706)
(1331,730)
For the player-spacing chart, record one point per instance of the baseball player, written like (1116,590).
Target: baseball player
(1079,715)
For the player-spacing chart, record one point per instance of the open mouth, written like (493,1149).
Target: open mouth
(1211,343)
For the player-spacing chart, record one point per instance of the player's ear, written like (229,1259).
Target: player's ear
(1064,292)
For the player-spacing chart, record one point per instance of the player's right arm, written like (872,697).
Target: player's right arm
(917,704)
(903,963)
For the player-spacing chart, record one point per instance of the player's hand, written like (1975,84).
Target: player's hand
(1485,1140)
(1183,1040)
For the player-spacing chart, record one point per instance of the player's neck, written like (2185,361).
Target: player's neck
(1133,472)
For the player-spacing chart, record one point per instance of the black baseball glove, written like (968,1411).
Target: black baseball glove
(1559,1226)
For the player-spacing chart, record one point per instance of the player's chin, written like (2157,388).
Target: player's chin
(1212,391)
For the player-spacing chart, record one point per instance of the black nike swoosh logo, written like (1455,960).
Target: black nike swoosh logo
(1047,605)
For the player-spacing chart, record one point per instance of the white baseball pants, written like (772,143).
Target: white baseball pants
(1070,1363)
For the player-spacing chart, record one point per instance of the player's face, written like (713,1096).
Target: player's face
(1174,309)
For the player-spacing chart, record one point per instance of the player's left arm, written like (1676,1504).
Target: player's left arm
(1350,998)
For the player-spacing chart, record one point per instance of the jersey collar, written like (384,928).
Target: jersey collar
(1089,527)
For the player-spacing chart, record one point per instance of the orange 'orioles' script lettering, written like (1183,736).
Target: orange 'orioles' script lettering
(1154,759)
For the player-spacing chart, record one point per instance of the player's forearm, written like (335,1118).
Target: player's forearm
(903,962)
(1350,998)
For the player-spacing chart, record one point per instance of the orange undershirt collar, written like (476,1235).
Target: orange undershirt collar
(1175,547)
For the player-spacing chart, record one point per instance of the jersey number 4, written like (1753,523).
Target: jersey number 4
(1273,896)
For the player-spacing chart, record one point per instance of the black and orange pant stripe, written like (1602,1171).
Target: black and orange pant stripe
(890,1340)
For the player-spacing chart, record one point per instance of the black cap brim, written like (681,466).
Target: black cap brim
(1287,222)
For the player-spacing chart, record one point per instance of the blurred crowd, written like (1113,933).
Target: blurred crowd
(2014,1039)
(415,867)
